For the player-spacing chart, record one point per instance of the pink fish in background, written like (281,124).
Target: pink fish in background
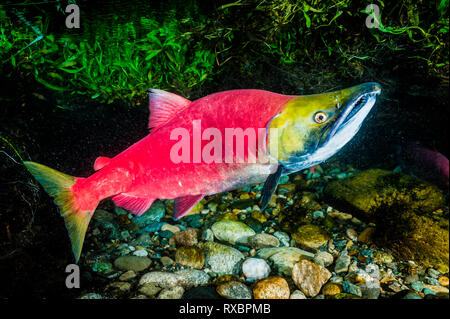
(426,164)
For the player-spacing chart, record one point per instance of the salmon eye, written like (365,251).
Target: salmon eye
(320,117)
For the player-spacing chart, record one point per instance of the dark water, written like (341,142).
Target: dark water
(34,247)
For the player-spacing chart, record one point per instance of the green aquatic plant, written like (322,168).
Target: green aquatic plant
(110,68)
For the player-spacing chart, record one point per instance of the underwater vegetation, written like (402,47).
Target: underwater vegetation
(181,44)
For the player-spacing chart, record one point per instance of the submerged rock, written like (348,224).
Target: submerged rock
(284,258)
(255,269)
(263,241)
(366,191)
(185,278)
(134,263)
(271,288)
(154,214)
(233,232)
(310,236)
(234,290)
(221,258)
(310,277)
(190,256)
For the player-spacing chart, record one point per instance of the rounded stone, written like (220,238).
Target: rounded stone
(190,256)
(310,277)
(134,263)
(221,258)
(234,290)
(255,269)
(259,241)
(271,288)
(330,289)
(310,236)
(232,231)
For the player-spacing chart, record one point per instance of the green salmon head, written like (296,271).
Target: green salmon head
(312,128)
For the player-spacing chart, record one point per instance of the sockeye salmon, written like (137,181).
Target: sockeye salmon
(189,153)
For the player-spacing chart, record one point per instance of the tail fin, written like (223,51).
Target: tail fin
(59,186)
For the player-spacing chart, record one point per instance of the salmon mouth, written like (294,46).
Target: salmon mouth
(356,110)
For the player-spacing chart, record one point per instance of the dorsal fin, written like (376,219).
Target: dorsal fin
(164,106)
(101,162)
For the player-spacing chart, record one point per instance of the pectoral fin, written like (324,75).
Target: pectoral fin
(269,187)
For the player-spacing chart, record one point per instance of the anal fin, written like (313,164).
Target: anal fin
(137,205)
(183,205)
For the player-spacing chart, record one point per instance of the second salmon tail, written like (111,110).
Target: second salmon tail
(59,186)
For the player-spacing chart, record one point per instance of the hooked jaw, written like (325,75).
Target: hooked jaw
(354,104)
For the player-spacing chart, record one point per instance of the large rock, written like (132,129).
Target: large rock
(405,210)
(232,231)
(366,191)
(310,277)
(414,237)
(221,258)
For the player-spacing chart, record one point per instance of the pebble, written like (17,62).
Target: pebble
(318,214)
(255,269)
(259,217)
(412,295)
(351,289)
(172,228)
(91,295)
(310,236)
(233,232)
(188,237)
(366,235)
(297,294)
(284,258)
(190,257)
(130,274)
(259,241)
(283,238)
(443,281)
(234,290)
(120,285)
(166,261)
(271,288)
(185,278)
(171,293)
(150,289)
(342,263)
(351,234)
(323,258)
(330,289)
(310,277)
(221,258)
(140,253)
(134,263)
(433,273)
(208,235)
